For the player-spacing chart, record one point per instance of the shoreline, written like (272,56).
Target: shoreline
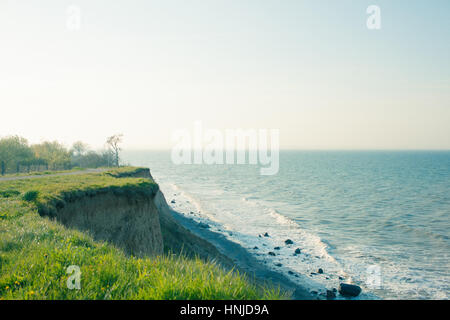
(243,259)
(234,254)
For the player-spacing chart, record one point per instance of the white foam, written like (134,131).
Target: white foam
(242,220)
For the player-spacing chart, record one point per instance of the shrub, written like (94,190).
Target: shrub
(30,196)
(9,193)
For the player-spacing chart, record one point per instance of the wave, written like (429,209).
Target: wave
(248,223)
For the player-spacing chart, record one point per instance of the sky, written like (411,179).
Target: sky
(311,69)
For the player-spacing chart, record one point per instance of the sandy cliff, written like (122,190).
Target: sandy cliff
(140,225)
(131,224)
(145,225)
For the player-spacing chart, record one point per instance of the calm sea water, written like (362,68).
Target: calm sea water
(377,219)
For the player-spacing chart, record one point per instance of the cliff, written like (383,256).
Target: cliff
(50,223)
(141,225)
(131,224)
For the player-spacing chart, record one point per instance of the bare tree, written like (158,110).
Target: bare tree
(113,143)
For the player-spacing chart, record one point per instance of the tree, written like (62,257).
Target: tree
(54,154)
(113,143)
(79,148)
(14,151)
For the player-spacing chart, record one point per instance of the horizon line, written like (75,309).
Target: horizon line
(311,150)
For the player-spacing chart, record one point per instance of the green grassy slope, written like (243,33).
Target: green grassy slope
(35,251)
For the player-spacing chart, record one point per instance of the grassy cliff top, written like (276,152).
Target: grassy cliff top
(36,251)
(50,193)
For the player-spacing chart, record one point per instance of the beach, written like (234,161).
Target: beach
(243,260)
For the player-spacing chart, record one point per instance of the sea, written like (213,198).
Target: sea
(377,219)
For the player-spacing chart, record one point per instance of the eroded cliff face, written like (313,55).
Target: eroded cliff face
(140,225)
(130,223)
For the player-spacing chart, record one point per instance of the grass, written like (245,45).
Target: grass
(40,173)
(36,251)
(51,193)
(124,172)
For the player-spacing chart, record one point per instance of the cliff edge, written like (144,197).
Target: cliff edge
(141,225)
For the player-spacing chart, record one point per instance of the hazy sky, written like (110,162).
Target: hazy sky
(309,68)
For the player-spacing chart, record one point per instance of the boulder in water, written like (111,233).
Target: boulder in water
(349,290)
